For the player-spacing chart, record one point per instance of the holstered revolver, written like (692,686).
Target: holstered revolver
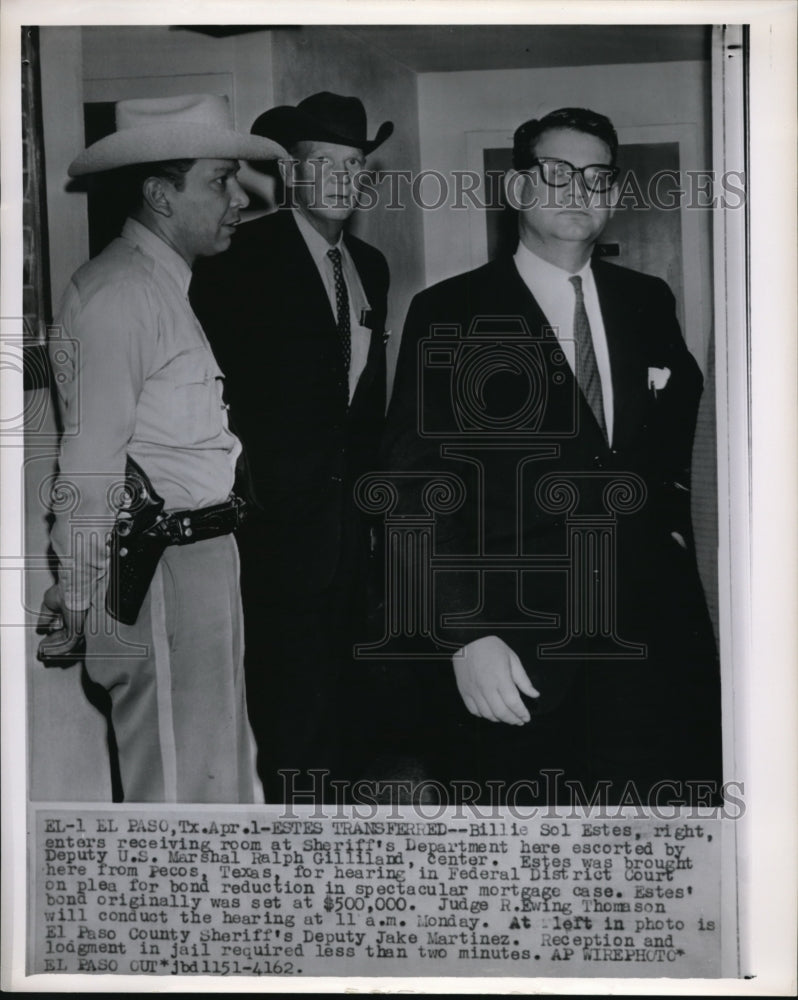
(134,547)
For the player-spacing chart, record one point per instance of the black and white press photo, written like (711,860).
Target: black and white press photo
(386,495)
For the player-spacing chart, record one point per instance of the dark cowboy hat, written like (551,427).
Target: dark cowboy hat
(323,117)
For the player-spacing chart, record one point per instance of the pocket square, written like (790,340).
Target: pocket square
(658,379)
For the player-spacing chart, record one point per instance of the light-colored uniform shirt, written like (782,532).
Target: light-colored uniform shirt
(135,376)
(360,336)
(556,297)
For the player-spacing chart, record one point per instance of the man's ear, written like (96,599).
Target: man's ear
(287,168)
(157,195)
(518,189)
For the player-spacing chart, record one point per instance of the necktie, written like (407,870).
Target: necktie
(586,367)
(342,305)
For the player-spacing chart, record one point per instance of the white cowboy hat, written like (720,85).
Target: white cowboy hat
(192,126)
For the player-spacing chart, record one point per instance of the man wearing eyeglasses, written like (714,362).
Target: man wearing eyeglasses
(558,389)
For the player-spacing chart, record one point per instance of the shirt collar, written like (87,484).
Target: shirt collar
(316,243)
(538,270)
(152,244)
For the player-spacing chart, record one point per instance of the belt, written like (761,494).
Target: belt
(184,527)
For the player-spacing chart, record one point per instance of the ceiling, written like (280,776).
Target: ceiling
(478,47)
(449,48)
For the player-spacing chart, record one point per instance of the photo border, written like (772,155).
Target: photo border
(768,692)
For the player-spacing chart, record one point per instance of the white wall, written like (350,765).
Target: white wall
(148,53)
(62,121)
(453,106)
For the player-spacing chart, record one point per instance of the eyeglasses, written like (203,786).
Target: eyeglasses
(558,173)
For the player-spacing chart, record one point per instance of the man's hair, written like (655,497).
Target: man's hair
(576,119)
(115,195)
(128,182)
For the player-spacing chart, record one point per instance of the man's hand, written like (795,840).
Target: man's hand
(489,676)
(64,642)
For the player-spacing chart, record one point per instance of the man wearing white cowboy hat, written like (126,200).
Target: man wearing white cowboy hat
(296,312)
(156,616)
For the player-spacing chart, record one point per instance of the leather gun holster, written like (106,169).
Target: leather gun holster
(134,547)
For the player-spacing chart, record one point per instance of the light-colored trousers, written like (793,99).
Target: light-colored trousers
(176,682)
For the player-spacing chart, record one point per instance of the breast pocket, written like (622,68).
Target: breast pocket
(196,403)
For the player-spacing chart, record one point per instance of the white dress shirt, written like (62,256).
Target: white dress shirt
(556,297)
(360,336)
(135,376)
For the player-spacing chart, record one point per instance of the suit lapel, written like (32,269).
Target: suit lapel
(375,361)
(562,386)
(303,276)
(519,296)
(621,315)
(315,303)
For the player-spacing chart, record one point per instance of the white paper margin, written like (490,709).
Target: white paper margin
(768,744)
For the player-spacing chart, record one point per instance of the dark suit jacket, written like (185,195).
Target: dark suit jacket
(463,396)
(267,315)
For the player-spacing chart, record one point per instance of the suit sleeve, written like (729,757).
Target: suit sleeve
(384,279)
(400,428)
(413,406)
(674,412)
(414,461)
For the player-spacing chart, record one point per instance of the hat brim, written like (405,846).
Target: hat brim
(289,125)
(181,141)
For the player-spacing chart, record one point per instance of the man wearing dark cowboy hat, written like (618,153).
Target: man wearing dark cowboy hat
(137,382)
(296,311)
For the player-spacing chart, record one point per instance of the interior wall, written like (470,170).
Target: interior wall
(309,59)
(453,106)
(176,54)
(61,66)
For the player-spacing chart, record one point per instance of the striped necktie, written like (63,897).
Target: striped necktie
(586,368)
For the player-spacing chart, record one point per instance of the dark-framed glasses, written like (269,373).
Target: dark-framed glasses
(559,173)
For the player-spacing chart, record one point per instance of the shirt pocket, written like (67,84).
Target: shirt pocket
(196,404)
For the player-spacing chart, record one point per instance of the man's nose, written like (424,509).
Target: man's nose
(239,197)
(342,176)
(577,190)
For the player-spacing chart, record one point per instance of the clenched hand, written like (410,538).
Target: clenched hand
(489,676)
(64,642)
